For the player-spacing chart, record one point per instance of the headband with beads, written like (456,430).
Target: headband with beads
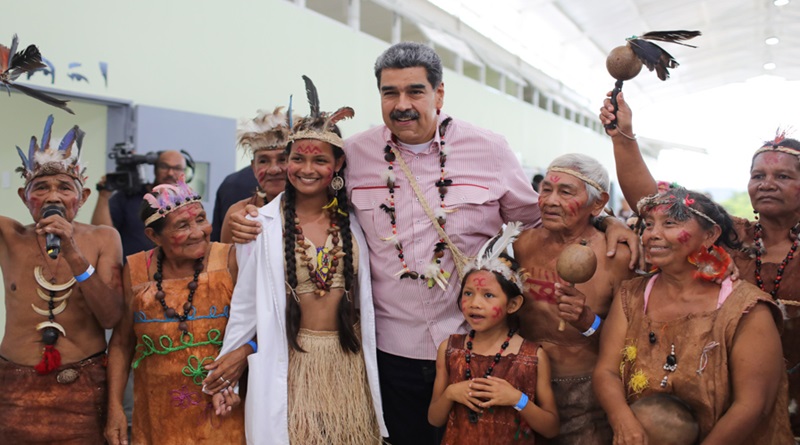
(488,258)
(166,198)
(672,204)
(46,161)
(777,144)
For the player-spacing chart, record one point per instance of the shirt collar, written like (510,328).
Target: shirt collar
(391,140)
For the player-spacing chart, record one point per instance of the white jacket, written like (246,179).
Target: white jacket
(258,306)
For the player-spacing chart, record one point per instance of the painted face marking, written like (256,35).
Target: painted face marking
(684,237)
(573,208)
(555,179)
(479,281)
(308,149)
(496,312)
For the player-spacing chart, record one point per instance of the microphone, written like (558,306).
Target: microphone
(52,241)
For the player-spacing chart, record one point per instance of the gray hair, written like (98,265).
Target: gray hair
(410,55)
(588,167)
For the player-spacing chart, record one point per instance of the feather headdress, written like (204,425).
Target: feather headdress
(781,143)
(266,131)
(489,257)
(319,125)
(44,161)
(166,198)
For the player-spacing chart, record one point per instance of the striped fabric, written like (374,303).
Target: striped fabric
(489,188)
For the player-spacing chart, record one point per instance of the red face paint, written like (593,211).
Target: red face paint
(684,237)
(479,282)
(307,149)
(573,207)
(555,179)
(496,312)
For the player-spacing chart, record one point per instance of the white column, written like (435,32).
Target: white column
(300,3)
(397,28)
(459,64)
(354,14)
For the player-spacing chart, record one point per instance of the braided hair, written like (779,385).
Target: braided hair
(346,316)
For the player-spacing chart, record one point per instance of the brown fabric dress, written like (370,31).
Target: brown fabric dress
(703,343)
(789,292)
(498,425)
(38,409)
(169,407)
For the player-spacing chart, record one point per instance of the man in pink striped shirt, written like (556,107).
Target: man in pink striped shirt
(475,188)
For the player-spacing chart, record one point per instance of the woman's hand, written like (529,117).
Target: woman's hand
(224,401)
(495,391)
(462,393)
(572,307)
(226,370)
(629,432)
(116,431)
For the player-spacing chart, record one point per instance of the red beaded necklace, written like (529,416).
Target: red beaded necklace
(473,416)
(757,234)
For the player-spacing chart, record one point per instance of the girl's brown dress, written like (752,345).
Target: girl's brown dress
(501,424)
(169,406)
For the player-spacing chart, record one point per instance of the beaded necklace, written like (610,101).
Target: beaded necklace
(325,264)
(473,416)
(759,248)
(160,294)
(442,184)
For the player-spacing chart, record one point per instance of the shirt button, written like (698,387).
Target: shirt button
(416,157)
(417,178)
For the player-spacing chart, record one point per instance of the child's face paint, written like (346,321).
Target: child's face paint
(483,302)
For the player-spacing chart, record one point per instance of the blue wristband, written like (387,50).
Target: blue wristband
(253,345)
(523,402)
(85,276)
(593,329)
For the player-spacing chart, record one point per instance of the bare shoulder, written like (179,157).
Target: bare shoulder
(97,232)
(9,226)
(527,240)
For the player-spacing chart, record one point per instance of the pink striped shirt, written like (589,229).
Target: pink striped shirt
(489,188)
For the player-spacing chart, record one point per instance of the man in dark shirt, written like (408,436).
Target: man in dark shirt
(234,188)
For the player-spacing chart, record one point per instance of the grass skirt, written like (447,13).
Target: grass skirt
(329,396)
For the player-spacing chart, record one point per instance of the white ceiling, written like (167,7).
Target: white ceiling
(569,39)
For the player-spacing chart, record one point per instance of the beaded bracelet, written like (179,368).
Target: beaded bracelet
(85,276)
(253,345)
(523,402)
(593,328)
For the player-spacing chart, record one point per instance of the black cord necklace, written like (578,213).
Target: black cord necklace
(160,294)
(473,416)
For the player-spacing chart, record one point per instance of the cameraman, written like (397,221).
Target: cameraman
(121,210)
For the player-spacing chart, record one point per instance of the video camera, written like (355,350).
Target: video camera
(128,174)
(129,171)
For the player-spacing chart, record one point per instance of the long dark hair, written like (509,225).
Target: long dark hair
(346,313)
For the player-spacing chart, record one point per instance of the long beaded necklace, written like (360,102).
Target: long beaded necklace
(473,416)
(160,294)
(757,234)
(324,266)
(442,184)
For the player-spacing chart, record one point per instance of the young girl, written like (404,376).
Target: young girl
(492,383)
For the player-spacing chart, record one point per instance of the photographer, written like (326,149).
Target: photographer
(120,209)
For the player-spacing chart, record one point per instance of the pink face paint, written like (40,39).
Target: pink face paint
(496,312)
(555,179)
(573,207)
(684,237)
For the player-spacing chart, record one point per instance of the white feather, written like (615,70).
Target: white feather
(388,175)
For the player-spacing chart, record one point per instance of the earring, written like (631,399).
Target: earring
(337,183)
(711,262)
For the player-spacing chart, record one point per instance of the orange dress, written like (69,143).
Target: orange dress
(498,425)
(169,406)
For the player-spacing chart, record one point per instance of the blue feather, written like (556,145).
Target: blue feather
(32,150)
(289,113)
(69,138)
(46,135)
(22,156)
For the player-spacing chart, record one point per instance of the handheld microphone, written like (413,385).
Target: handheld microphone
(52,241)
